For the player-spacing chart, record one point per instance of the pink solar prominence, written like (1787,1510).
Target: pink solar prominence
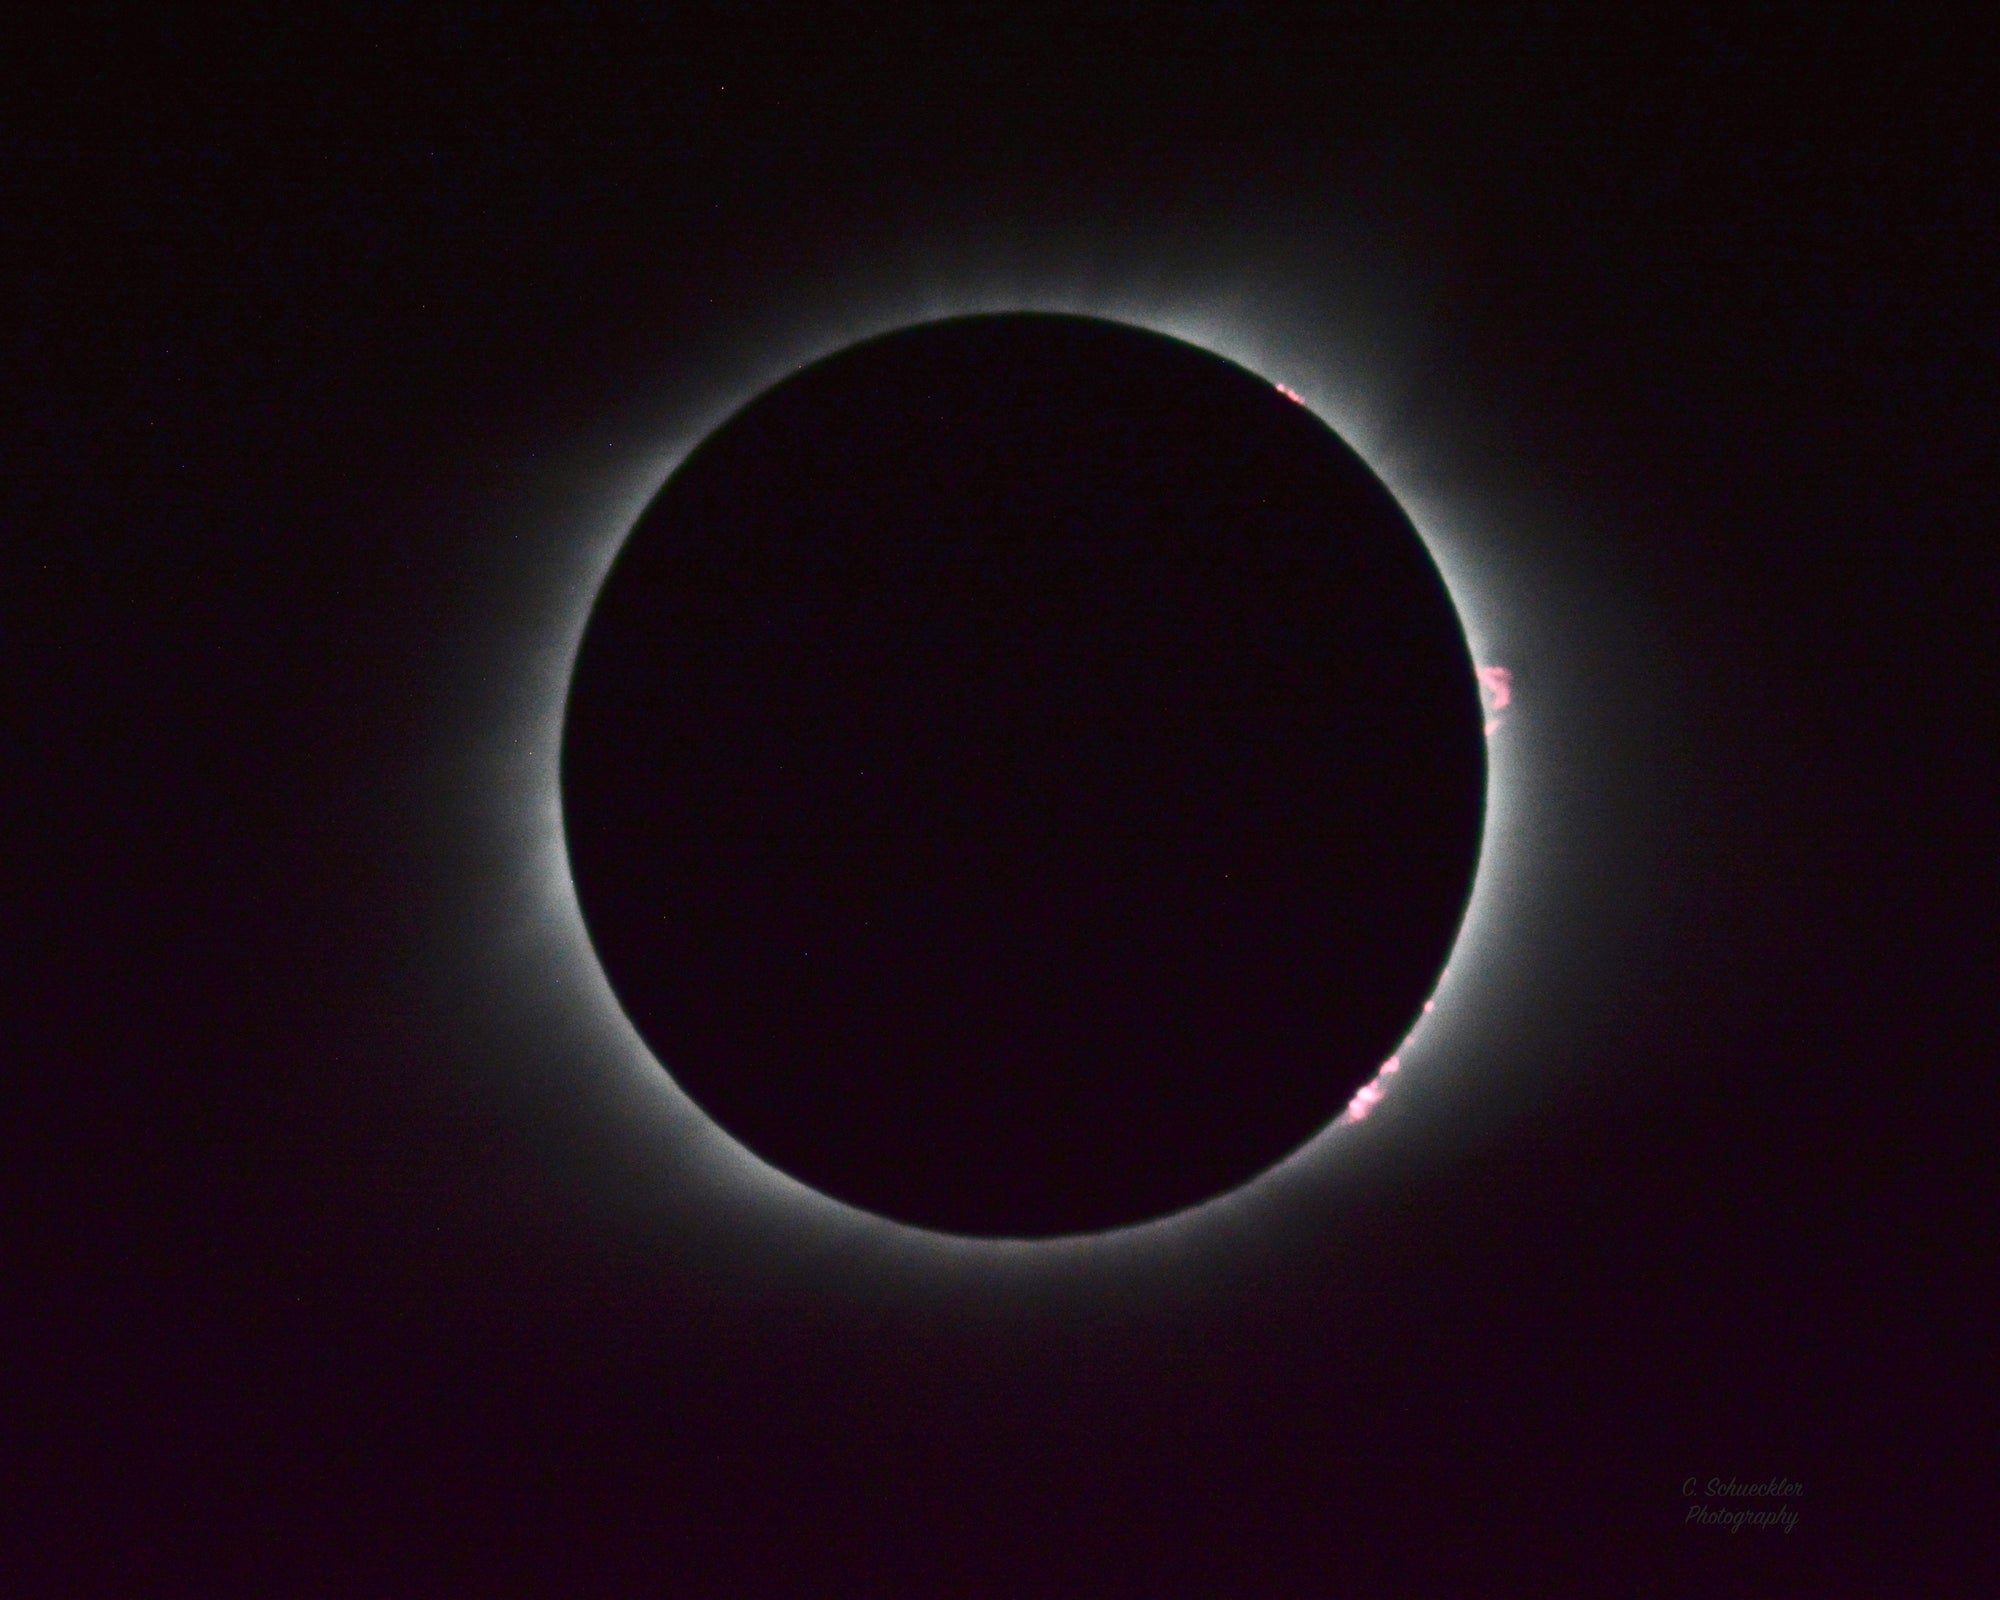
(1496,688)
(1496,691)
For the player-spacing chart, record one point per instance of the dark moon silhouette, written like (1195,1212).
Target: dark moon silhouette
(1022,775)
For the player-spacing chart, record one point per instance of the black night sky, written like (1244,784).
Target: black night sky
(347,1248)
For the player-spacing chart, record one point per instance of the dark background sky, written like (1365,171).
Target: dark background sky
(311,1286)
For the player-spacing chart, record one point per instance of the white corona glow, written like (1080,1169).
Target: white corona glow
(552,955)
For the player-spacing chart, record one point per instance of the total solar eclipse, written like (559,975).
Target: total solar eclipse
(1022,775)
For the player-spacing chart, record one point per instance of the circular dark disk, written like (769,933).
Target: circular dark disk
(1022,775)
